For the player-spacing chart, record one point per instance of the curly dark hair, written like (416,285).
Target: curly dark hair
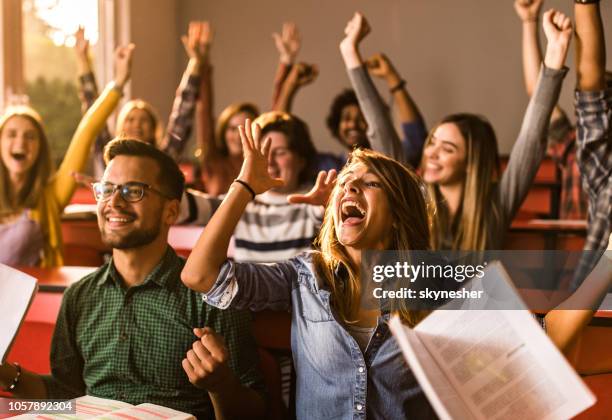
(345,98)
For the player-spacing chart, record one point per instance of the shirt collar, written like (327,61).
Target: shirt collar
(160,275)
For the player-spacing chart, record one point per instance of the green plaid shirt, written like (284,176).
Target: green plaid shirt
(128,344)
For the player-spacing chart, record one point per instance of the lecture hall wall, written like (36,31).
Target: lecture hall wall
(454,55)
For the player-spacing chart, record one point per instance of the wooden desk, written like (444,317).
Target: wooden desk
(57,279)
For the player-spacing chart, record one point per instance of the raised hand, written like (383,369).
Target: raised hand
(81,45)
(355,31)
(254,169)
(198,40)
(528,10)
(83,179)
(123,64)
(288,42)
(302,74)
(320,193)
(558,30)
(380,66)
(206,361)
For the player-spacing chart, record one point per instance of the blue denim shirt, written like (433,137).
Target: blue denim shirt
(335,380)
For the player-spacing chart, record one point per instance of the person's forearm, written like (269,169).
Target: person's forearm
(532,55)
(590,48)
(350,55)
(235,401)
(565,323)
(204,119)
(407,109)
(79,148)
(284,101)
(202,266)
(30,385)
(282,71)
(83,65)
(181,117)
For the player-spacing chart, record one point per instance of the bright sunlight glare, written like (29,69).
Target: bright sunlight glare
(65,16)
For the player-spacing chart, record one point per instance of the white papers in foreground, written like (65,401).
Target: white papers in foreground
(88,407)
(16,293)
(491,364)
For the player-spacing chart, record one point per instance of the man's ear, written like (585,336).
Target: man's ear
(171,211)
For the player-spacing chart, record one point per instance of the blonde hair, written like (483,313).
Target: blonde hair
(224,119)
(158,129)
(477,215)
(409,212)
(38,175)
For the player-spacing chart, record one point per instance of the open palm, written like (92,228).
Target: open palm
(254,169)
(319,194)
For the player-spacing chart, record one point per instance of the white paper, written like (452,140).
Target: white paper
(88,407)
(500,362)
(439,391)
(16,292)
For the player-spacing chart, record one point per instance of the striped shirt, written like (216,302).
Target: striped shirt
(270,229)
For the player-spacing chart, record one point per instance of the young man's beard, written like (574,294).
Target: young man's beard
(133,239)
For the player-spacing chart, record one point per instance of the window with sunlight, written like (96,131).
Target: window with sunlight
(50,69)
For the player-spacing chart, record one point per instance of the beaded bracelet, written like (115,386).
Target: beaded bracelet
(16,379)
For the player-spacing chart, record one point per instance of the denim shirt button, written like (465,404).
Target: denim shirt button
(361,370)
(359,407)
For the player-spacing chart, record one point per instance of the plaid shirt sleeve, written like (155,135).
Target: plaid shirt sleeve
(594,154)
(181,117)
(88,90)
(88,93)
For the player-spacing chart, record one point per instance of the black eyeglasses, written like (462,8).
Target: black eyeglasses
(132,192)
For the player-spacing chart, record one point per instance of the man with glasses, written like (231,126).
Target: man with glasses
(132,331)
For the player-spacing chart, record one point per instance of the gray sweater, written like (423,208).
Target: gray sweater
(525,157)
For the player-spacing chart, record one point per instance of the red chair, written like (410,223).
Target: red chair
(33,342)
(601,386)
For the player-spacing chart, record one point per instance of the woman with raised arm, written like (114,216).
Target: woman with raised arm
(272,228)
(219,149)
(347,363)
(137,118)
(32,194)
(561,132)
(460,160)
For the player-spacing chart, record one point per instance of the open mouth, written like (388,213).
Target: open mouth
(433,166)
(351,212)
(18,156)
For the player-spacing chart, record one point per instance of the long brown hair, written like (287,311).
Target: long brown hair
(158,127)
(410,217)
(224,119)
(477,213)
(38,176)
